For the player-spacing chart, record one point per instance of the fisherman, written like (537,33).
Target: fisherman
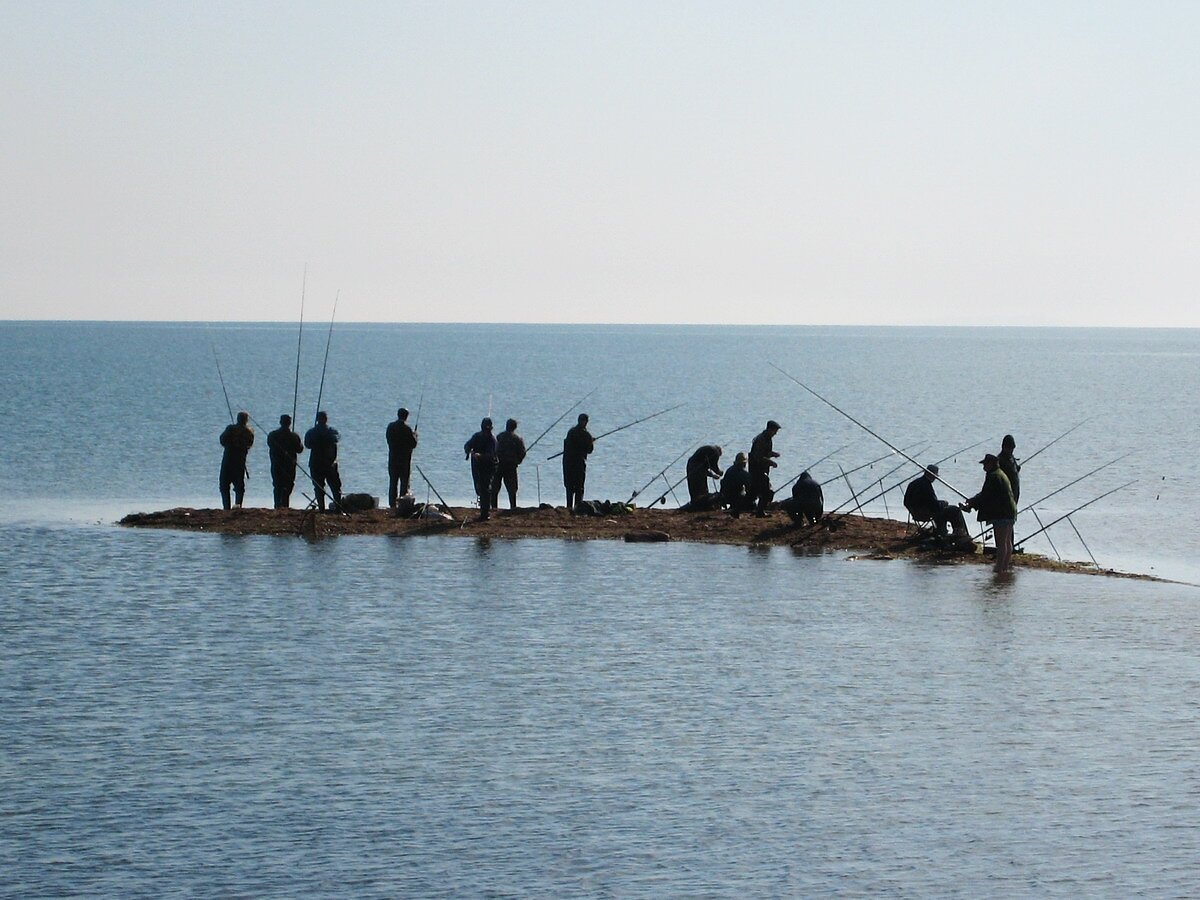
(762,461)
(322,443)
(576,446)
(285,445)
(480,449)
(237,439)
(995,504)
(701,466)
(735,487)
(807,500)
(1009,465)
(510,453)
(401,441)
(922,503)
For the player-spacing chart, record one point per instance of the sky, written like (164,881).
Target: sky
(956,163)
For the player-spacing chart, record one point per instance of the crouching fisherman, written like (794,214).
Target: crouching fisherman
(285,445)
(807,501)
(922,503)
(701,466)
(322,444)
(237,439)
(735,487)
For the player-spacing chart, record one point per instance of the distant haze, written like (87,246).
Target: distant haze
(832,162)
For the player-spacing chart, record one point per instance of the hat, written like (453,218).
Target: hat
(771,423)
(740,458)
(932,468)
(486,423)
(402,412)
(989,458)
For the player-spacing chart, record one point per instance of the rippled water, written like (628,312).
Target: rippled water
(202,715)
(209,715)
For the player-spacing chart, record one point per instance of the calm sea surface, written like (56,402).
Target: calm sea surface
(201,715)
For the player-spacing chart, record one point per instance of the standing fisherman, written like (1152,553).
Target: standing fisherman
(701,466)
(322,443)
(1009,465)
(995,504)
(237,439)
(762,461)
(510,452)
(401,441)
(576,446)
(285,445)
(480,448)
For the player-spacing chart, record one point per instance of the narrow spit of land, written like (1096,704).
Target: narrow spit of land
(861,537)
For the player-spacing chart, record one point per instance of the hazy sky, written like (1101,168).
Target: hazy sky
(834,162)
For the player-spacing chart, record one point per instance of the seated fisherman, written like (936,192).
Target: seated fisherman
(807,500)
(922,503)
(735,487)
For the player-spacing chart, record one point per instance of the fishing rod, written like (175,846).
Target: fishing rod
(300,466)
(1072,512)
(328,341)
(560,418)
(228,405)
(809,468)
(627,425)
(420,403)
(1063,488)
(299,339)
(1029,459)
(921,445)
(886,474)
(859,424)
(661,473)
(662,498)
(883,493)
(435,492)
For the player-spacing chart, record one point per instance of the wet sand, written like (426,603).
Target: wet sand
(859,536)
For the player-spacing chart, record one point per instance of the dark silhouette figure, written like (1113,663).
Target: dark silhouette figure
(807,502)
(922,503)
(237,438)
(762,461)
(701,466)
(284,445)
(1009,466)
(510,453)
(735,487)
(480,448)
(322,444)
(576,446)
(401,441)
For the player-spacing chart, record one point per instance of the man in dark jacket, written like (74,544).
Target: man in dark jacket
(322,443)
(922,503)
(1009,466)
(401,441)
(735,487)
(237,438)
(995,504)
(285,445)
(480,449)
(510,453)
(701,466)
(762,461)
(576,446)
(807,500)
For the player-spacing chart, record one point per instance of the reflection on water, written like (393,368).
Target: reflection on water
(209,715)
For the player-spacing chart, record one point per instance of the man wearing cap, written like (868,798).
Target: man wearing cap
(995,504)
(735,487)
(922,503)
(401,441)
(322,444)
(284,446)
(576,446)
(762,461)
(480,448)
(237,438)
(701,466)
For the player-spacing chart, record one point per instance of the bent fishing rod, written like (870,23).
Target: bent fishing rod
(1072,512)
(812,466)
(902,481)
(873,434)
(574,406)
(658,475)
(328,341)
(299,340)
(1061,489)
(627,425)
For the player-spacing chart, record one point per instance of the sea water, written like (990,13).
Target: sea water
(189,714)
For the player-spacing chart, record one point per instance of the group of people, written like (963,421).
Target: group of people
(995,504)
(495,459)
